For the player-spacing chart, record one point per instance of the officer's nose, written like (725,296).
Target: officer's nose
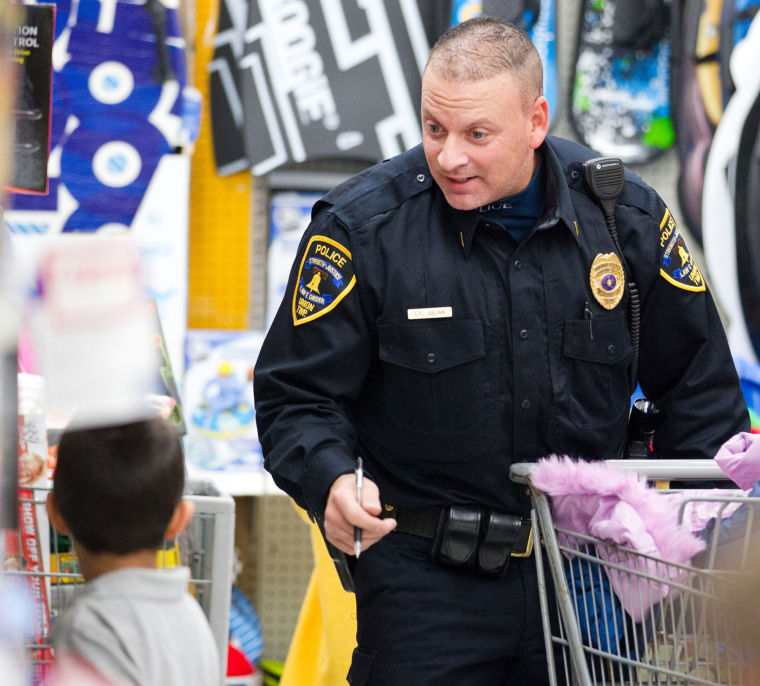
(451,155)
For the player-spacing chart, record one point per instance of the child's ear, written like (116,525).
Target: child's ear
(183,513)
(54,515)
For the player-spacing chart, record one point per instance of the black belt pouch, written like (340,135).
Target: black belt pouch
(501,534)
(456,541)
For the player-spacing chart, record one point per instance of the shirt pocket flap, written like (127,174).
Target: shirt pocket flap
(603,339)
(433,346)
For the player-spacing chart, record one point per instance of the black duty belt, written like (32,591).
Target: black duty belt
(423,522)
(467,536)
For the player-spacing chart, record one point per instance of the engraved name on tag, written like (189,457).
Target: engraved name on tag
(429,313)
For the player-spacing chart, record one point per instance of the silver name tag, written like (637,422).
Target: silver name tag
(429,313)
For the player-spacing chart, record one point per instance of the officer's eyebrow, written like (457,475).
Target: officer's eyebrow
(481,123)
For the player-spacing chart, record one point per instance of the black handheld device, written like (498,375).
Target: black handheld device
(605,177)
(641,429)
(343,564)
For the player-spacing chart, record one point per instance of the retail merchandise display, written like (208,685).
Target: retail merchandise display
(92,328)
(9,365)
(26,549)
(704,37)
(747,220)
(118,79)
(696,98)
(538,18)
(305,80)
(728,245)
(224,89)
(620,98)
(31,52)
(120,110)
(289,215)
(221,442)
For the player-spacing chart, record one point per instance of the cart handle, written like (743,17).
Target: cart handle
(661,470)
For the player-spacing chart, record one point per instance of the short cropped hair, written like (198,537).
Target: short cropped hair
(117,487)
(483,48)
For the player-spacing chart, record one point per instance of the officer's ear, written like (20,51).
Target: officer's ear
(539,121)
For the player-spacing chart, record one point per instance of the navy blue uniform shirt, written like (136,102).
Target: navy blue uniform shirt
(433,345)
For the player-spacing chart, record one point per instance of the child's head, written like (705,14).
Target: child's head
(117,487)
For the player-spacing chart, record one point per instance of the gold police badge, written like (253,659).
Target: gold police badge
(607,280)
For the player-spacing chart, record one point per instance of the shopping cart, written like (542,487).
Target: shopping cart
(206,547)
(674,627)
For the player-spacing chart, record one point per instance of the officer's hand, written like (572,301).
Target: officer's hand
(343,513)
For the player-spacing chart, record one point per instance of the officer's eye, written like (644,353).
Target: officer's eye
(434,128)
(477,135)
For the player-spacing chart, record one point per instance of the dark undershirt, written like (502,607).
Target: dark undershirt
(518,213)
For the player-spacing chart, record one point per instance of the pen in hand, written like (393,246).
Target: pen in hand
(359,471)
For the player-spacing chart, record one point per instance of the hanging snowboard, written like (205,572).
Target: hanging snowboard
(224,89)
(695,97)
(747,222)
(736,17)
(538,18)
(620,99)
(725,242)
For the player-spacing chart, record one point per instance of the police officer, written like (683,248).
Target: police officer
(460,307)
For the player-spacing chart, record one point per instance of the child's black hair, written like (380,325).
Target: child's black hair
(116,487)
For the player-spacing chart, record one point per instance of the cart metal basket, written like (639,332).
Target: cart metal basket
(683,632)
(206,547)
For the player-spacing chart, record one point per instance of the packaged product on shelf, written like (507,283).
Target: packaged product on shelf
(221,444)
(289,216)
(92,328)
(33,443)
(24,547)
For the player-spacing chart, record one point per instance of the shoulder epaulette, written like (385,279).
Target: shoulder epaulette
(379,189)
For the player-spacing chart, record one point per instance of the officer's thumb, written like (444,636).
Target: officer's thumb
(371,498)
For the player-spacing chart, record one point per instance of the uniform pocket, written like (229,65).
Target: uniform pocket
(591,384)
(361,667)
(434,375)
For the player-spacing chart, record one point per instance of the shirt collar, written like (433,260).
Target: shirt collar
(558,205)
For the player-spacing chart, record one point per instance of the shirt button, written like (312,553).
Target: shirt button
(431,358)
(518,264)
(524,334)
(525,404)
(610,349)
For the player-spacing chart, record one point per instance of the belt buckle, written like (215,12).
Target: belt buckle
(529,545)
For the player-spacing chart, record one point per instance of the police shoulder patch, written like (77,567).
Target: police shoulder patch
(677,266)
(325,277)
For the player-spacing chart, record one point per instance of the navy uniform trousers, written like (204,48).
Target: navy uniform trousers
(421,624)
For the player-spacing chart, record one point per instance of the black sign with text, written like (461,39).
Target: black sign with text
(316,79)
(32,50)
